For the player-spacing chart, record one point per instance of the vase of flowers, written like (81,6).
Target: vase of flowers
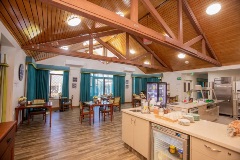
(22,100)
(95,99)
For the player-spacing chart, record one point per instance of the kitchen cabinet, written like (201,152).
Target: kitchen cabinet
(136,133)
(210,151)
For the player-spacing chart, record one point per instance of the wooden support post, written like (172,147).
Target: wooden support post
(91,46)
(127,46)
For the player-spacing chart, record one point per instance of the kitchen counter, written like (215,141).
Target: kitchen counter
(190,105)
(209,131)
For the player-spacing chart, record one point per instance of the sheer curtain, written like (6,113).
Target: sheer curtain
(65,86)
(3,91)
(119,87)
(85,87)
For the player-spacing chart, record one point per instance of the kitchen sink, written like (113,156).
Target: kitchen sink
(135,110)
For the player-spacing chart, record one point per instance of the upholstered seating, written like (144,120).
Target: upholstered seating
(65,103)
(117,103)
(37,111)
(84,111)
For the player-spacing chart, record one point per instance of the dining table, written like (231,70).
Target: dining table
(47,105)
(92,104)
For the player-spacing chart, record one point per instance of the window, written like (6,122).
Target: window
(101,84)
(56,81)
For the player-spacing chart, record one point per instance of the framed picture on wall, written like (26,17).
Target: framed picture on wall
(74,85)
(74,79)
(127,81)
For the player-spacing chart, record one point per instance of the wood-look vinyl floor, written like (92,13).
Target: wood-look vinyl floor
(68,139)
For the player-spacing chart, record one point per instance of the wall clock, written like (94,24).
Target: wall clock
(20,72)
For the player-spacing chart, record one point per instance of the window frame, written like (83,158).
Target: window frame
(50,84)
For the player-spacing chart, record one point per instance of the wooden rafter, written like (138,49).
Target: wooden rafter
(110,48)
(49,49)
(193,41)
(180,22)
(127,45)
(102,15)
(134,10)
(79,39)
(197,26)
(139,57)
(139,40)
(157,17)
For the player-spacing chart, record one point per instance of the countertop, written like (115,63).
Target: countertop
(190,105)
(209,131)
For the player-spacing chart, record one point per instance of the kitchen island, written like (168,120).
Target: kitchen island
(208,140)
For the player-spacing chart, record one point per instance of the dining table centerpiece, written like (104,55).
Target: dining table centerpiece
(22,100)
(95,99)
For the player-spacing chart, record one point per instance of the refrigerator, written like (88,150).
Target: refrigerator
(223,88)
(168,144)
(157,91)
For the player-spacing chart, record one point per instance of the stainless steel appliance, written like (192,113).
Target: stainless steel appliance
(223,90)
(168,144)
(158,91)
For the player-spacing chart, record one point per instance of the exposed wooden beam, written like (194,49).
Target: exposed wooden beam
(180,22)
(102,15)
(110,48)
(127,45)
(134,10)
(197,26)
(193,41)
(90,46)
(203,46)
(79,39)
(49,49)
(148,5)
(139,40)
(139,57)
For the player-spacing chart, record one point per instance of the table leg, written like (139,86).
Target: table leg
(16,116)
(90,110)
(111,112)
(50,117)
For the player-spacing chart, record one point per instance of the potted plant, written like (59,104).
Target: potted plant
(22,100)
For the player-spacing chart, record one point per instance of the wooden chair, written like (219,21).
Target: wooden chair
(85,111)
(105,110)
(65,103)
(37,111)
(117,103)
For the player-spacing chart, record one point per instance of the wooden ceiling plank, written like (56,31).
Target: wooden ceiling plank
(12,21)
(193,41)
(110,48)
(139,57)
(40,20)
(12,30)
(134,10)
(30,28)
(197,26)
(180,22)
(127,45)
(148,5)
(90,10)
(139,40)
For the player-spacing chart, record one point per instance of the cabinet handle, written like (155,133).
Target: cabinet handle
(131,120)
(229,154)
(135,122)
(212,149)
(9,139)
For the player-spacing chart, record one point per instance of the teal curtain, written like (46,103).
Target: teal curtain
(140,84)
(119,87)
(31,83)
(65,86)
(42,84)
(85,87)
(137,85)
(144,84)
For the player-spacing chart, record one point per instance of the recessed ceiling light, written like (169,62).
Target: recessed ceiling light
(181,55)
(213,8)
(120,14)
(186,62)
(64,47)
(146,62)
(73,20)
(132,51)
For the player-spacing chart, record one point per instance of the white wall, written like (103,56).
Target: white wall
(91,64)
(15,57)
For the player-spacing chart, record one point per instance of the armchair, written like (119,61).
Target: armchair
(37,111)
(65,103)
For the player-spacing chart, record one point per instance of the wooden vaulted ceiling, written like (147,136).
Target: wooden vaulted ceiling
(35,23)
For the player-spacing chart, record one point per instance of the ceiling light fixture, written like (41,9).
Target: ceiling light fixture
(147,62)
(181,55)
(120,14)
(132,51)
(73,20)
(64,47)
(213,8)
(186,62)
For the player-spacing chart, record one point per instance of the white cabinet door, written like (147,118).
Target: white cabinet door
(127,129)
(141,137)
(199,156)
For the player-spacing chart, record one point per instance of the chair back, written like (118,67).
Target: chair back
(38,101)
(81,105)
(116,100)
